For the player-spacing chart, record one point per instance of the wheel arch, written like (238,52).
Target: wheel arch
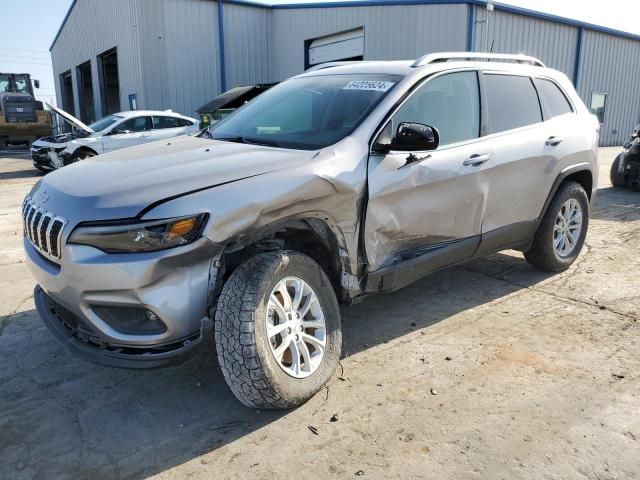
(84,148)
(582,174)
(311,236)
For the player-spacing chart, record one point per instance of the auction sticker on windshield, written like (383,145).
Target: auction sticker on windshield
(375,85)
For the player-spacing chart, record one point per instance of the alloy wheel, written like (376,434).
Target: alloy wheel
(296,327)
(567,228)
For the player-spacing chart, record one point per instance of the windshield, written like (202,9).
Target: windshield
(19,83)
(306,113)
(104,122)
(22,83)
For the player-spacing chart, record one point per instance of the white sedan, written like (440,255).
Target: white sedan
(113,132)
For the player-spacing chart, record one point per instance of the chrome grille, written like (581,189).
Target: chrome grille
(42,228)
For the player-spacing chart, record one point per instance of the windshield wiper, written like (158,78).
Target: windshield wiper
(249,141)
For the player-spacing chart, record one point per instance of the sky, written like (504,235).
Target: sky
(24,47)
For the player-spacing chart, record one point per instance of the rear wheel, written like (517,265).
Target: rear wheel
(617,179)
(277,329)
(563,229)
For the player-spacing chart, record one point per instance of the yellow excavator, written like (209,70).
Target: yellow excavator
(22,118)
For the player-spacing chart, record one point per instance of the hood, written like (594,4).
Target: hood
(70,118)
(121,184)
(60,138)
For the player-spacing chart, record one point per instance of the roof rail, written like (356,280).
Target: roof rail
(322,66)
(487,57)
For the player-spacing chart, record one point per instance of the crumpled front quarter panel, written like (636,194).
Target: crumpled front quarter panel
(329,186)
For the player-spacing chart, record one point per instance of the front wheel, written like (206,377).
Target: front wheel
(563,229)
(617,179)
(277,330)
(81,155)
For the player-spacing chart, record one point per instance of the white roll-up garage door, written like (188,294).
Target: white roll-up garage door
(340,46)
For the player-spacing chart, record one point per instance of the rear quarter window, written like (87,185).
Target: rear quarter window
(555,101)
(512,102)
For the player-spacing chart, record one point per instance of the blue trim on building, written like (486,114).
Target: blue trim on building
(355,3)
(223,69)
(368,3)
(578,66)
(471,28)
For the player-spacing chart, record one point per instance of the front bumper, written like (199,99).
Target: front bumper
(42,157)
(172,284)
(82,339)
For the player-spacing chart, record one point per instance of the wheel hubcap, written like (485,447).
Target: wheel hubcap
(567,228)
(296,328)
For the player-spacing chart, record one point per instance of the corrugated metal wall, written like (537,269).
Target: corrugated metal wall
(555,44)
(248,44)
(179,53)
(611,65)
(391,32)
(168,52)
(93,27)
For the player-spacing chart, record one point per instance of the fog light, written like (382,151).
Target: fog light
(131,320)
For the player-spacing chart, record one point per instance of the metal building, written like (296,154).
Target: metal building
(112,55)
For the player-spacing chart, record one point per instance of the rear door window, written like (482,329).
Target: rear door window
(553,99)
(166,122)
(512,102)
(136,124)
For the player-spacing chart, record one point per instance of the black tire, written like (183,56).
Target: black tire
(81,155)
(617,179)
(542,254)
(244,352)
(43,170)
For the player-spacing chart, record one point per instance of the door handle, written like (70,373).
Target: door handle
(476,160)
(553,141)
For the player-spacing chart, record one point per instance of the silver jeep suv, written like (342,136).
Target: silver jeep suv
(350,179)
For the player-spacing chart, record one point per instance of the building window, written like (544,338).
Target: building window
(109,82)
(598,105)
(85,93)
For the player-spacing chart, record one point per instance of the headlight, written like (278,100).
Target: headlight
(146,236)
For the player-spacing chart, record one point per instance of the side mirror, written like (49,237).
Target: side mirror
(36,83)
(415,137)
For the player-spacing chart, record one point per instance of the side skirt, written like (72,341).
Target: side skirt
(411,266)
(420,263)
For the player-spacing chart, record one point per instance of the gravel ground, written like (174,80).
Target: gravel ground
(489,370)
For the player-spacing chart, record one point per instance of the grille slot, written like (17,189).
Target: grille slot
(42,228)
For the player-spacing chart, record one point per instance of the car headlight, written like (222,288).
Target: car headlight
(145,236)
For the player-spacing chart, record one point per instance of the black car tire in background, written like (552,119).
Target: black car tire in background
(617,179)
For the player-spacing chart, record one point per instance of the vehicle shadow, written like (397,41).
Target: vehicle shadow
(17,174)
(64,418)
(616,204)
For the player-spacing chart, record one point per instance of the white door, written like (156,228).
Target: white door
(133,131)
(341,46)
(168,127)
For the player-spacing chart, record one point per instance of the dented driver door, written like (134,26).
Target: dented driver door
(425,209)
